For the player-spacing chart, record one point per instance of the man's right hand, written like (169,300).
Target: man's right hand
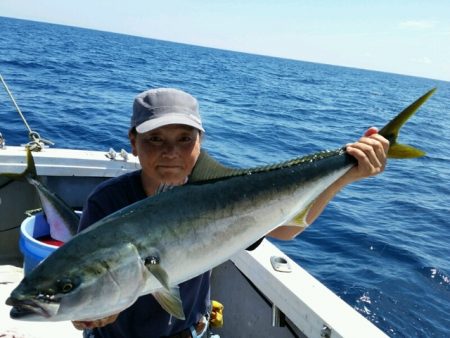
(85,324)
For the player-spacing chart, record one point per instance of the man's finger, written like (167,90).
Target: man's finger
(371,131)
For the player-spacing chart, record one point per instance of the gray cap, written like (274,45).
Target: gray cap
(155,108)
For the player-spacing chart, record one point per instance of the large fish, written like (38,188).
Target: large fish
(62,220)
(155,244)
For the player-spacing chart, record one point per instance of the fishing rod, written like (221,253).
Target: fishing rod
(36,142)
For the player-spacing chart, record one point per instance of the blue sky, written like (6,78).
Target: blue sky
(406,37)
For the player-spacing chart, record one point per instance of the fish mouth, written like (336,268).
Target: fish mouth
(25,309)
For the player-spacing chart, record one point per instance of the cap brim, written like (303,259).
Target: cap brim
(167,119)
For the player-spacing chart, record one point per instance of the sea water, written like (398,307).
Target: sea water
(382,244)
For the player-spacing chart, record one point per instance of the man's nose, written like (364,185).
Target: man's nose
(170,149)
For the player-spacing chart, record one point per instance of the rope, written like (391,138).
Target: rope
(36,142)
(15,104)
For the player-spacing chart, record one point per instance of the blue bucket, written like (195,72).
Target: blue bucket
(33,250)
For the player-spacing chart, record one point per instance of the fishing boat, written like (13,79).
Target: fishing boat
(264,292)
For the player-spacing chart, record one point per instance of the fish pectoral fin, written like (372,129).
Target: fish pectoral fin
(170,300)
(152,264)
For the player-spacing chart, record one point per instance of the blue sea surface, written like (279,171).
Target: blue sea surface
(382,244)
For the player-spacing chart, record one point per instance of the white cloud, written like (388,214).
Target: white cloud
(423,60)
(417,24)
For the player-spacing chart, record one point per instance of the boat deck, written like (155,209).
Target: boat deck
(10,276)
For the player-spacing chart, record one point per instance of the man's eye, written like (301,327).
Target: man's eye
(154,139)
(186,139)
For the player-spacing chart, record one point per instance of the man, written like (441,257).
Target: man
(165,134)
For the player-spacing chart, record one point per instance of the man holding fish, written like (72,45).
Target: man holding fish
(166,134)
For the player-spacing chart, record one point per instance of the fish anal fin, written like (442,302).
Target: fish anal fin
(299,220)
(170,300)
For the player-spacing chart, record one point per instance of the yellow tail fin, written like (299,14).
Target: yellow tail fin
(391,130)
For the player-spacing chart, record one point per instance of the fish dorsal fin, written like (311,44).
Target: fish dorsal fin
(207,168)
(170,301)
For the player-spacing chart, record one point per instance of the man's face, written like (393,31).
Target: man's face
(167,154)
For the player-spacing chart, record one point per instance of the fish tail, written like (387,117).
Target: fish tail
(391,130)
(31,167)
(29,172)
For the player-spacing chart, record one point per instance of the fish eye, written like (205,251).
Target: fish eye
(64,285)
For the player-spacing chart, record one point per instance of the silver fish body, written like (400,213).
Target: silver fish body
(153,245)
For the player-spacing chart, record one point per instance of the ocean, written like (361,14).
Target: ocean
(382,244)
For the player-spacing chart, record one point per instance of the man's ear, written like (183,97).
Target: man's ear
(132,137)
